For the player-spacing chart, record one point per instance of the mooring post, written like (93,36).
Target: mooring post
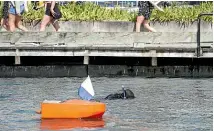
(154,61)
(17,58)
(86,58)
(154,58)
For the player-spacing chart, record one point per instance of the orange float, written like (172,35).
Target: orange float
(72,109)
(62,124)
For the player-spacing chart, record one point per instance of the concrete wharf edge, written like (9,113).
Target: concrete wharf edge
(113,44)
(102,42)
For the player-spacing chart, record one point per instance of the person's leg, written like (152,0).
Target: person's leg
(57,16)
(4,24)
(148,27)
(46,19)
(11,22)
(18,23)
(7,25)
(139,22)
(55,24)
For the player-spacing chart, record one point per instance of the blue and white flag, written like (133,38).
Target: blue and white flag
(86,90)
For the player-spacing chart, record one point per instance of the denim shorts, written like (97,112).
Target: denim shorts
(12,10)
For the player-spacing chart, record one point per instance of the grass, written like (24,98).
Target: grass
(91,12)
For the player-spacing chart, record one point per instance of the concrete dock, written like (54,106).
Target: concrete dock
(106,51)
(146,44)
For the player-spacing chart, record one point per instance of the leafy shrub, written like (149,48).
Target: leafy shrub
(91,12)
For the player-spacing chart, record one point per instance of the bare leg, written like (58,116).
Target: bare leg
(139,22)
(7,25)
(18,23)
(4,24)
(55,24)
(45,21)
(148,27)
(11,22)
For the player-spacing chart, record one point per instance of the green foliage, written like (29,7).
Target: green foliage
(1,4)
(32,15)
(84,12)
(183,14)
(91,12)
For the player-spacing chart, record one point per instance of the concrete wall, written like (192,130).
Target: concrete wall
(114,26)
(102,36)
(43,71)
(119,44)
(109,39)
(106,70)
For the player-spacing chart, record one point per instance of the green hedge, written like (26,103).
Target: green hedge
(92,12)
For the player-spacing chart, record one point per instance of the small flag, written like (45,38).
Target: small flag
(86,90)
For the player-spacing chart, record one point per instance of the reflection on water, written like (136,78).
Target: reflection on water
(60,124)
(161,104)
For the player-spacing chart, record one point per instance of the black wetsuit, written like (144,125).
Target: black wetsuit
(124,94)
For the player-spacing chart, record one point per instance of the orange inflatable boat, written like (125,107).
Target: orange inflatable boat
(72,109)
(63,124)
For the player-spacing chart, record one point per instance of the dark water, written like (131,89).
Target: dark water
(161,104)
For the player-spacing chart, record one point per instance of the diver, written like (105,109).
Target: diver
(121,94)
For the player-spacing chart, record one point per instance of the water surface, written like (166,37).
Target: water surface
(161,104)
